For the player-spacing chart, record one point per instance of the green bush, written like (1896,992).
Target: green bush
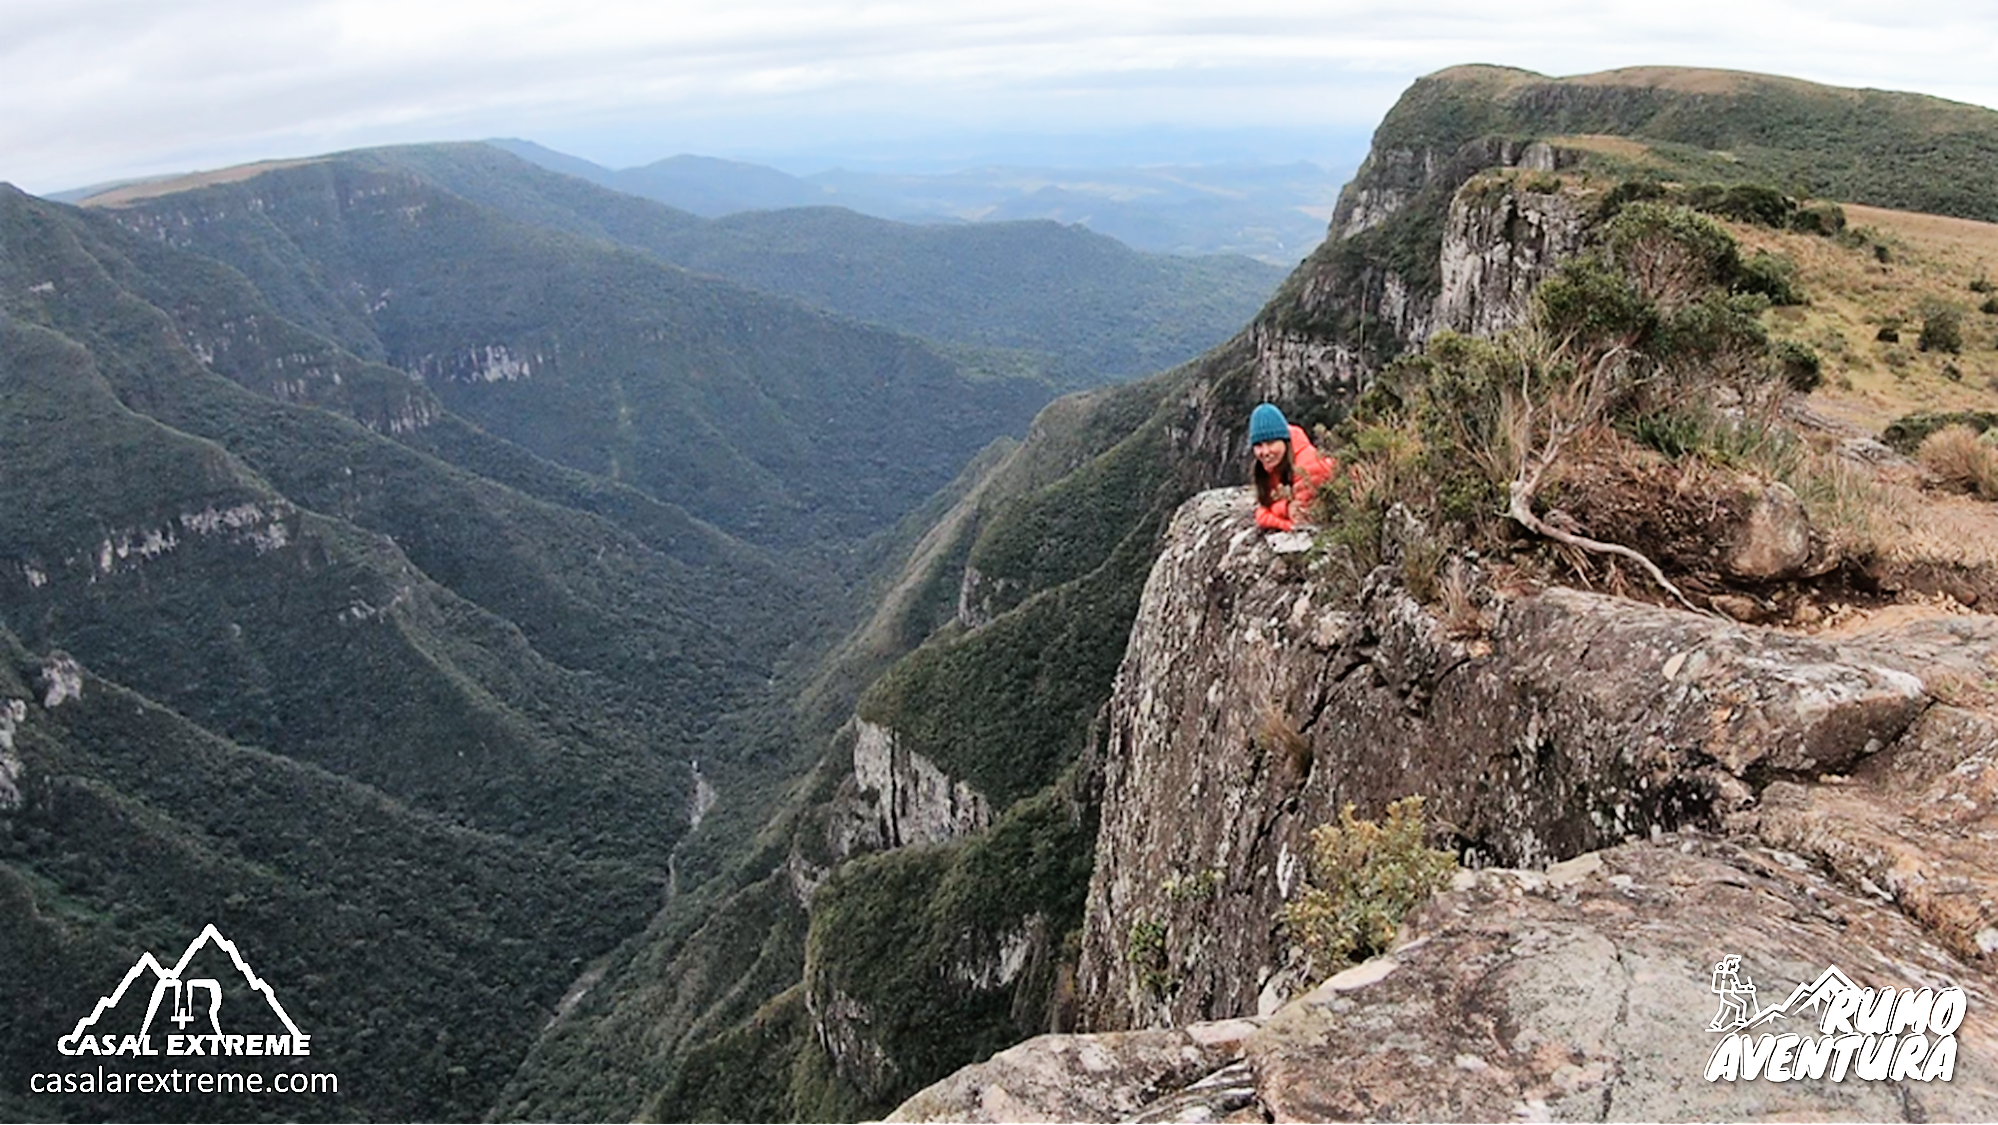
(1801,367)
(1362,878)
(1942,328)
(1626,193)
(1989,307)
(1593,304)
(1826,219)
(1746,203)
(1671,254)
(1773,276)
(1905,434)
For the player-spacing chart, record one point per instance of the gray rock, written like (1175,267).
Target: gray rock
(1519,999)
(1107,1077)
(1580,993)
(1773,540)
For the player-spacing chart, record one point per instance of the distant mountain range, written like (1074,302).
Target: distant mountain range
(1275,212)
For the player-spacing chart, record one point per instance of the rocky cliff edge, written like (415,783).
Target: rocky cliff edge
(1801,801)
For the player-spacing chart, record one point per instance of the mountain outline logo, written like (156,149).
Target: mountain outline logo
(195,1001)
(1870,1034)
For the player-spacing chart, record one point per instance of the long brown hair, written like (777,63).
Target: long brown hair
(1266,488)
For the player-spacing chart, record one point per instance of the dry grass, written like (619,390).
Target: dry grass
(1954,530)
(1624,147)
(1849,503)
(1869,383)
(1871,513)
(1683,79)
(1279,737)
(1962,460)
(152,189)
(1457,602)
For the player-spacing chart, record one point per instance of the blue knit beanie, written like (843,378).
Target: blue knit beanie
(1266,423)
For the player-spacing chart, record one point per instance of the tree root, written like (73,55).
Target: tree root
(1521,509)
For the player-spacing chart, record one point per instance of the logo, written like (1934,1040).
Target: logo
(183,1013)
(1868,1034)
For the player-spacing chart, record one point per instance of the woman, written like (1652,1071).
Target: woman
(1288,469)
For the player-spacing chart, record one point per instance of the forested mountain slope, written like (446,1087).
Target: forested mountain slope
(223,499)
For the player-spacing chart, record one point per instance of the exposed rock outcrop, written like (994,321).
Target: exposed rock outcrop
(1249,710)
(897,797)
(1115,1076)
(1346,313)
(1500,243)
(1584,992)
(12,712)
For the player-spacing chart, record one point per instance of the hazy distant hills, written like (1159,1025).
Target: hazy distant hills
(1076,306)
(760,416)
(1274,212)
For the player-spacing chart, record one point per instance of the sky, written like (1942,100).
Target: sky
(99,90)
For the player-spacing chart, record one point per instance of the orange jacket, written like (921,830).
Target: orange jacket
(1308,470)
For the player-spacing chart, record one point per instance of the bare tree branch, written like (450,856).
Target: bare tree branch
(1568,413)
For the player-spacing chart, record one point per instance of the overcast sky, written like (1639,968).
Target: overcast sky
(103,89)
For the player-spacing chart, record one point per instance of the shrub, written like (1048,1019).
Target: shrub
(1981,284)
(1989,307)
(1626,193)
(1888,334)
(1671,254)
(1145,952)
(1593,305)
(1717,338)
(1906,434)
(1746,203)
(1957,456)
(1773,276)
(1801,367)
(1942,328)
(1362,878)
(1826,219)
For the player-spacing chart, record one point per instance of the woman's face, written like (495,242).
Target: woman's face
(1270,453)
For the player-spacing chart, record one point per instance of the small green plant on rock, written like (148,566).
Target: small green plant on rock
(1145,952)
(1196,887)
(1361,879)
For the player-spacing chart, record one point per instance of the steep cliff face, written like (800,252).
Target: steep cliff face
(897,797)
(1253,704)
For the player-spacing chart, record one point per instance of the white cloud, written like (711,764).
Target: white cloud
(99,88)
